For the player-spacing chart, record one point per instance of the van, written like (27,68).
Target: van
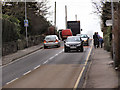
(66,33)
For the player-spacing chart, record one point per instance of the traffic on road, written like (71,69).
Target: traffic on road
(47,63)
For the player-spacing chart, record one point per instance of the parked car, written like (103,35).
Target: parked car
(73,43)
(51,40)
(85,38)
(66,33)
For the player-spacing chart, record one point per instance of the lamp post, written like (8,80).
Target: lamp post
(26,26)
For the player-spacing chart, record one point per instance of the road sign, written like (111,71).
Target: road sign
(26,23)
(108,22)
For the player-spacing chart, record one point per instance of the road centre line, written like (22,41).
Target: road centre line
(81,73)
(56,54)
(27,72)
(45,62)
(53,57)
(37,67)
(12,81)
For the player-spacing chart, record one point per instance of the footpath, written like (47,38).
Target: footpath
(101,73)
(21,53)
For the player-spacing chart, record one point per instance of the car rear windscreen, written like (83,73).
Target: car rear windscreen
(49,38)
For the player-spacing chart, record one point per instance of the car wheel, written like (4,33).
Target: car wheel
(81,49)
(65,50)
(45,47)
(77,50)
(58,46)
(87,44)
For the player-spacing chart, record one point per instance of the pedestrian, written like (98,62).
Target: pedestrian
(101,42)
(96,40)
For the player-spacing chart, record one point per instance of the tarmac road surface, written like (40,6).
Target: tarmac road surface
(46,68)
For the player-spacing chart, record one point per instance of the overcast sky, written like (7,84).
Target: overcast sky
(90,23)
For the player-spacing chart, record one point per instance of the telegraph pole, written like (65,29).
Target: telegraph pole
(55,16)
(66,16)
(112,10)
(76,17)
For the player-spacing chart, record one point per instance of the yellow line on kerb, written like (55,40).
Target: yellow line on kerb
(81,73)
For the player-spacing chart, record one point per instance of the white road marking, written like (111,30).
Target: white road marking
(27,72)
(45,62)
(21,58)
(53,57)
(56,54)
(37,67)
(12,81)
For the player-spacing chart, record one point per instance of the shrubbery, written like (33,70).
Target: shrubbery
(107,39)
(10,28)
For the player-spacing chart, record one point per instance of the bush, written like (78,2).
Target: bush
(10,28)
(107,40)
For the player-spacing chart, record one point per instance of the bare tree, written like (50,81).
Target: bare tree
(98,6)
(43,7)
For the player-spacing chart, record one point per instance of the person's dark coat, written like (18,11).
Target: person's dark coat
(96,39)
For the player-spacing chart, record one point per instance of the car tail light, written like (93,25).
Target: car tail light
(44,41)
(56,41)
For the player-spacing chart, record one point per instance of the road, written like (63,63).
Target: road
(46,68)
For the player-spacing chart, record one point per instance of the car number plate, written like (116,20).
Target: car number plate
(72,47)
(50,42)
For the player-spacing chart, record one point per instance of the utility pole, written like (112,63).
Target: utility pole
(66,16)
(112,10)
(76,17)
(55,16)
(1,44)
(119,33)
(26,26)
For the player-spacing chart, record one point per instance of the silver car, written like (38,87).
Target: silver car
(51,40)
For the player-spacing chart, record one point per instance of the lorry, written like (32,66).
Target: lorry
(74,26)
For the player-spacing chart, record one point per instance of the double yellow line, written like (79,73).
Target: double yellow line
(81,73)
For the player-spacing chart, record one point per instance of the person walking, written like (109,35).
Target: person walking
(101,42)
(96,40)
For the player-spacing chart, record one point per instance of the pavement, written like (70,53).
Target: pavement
(21,53)
(101,73)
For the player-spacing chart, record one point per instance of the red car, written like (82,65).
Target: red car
(66,33)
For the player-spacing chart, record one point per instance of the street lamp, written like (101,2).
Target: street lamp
(26,23)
